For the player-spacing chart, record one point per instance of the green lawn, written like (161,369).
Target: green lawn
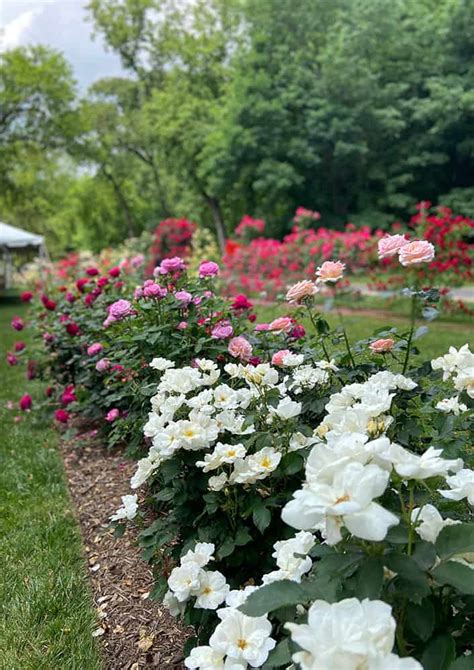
(46,609)
(441,334)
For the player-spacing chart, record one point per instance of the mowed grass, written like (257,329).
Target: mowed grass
(438,339)
(46,609)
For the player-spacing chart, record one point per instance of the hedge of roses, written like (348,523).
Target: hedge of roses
(311,499)
(256,264)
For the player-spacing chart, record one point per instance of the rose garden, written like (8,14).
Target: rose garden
(302,495)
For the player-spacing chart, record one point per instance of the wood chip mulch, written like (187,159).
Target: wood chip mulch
(134,631)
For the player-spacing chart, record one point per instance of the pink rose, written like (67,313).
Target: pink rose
(153,290)
(138,292)
(102,365)
(18,323)
(221,331)
(12,359)
(94,349)
(382,346)
(416,252)
(182,325)
(390,245)
(26,402)
(137,260)
(184,297)
(281,325)
(61,415)
(208,269)
(303,289)
(48,338)
(19,346)
(240,347)
(331,271)
(119,309)
(277,358)
(112,415)
(170,265)
(262,327)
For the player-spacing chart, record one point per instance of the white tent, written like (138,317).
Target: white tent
(13,240)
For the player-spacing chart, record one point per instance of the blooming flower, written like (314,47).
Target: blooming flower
(26,296)
(61,415)
(347,635)
(416,252)
(19,346)
(170,266)
(241,302)
(461,486)
(208,269)
(241,638)
(184,580)
(72,328)
(301,290)
(102,365)
(451,405)
(11,359)
(287,409)
(282,324)
(17,323)
(112,415)
(390,245)
(153,290)
(128,510)
(429,464)
(26,401)
(161,364)
(119,309)
(94,349)
(184,297)
(382,346)
(212,590)
(115,271)
(429,522)
(205,658)
(240,347)
(330,271)
(222,331)
(278,356)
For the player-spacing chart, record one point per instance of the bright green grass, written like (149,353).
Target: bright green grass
(46,610)
(440,336)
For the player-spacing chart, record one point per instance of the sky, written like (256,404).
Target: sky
(63,25)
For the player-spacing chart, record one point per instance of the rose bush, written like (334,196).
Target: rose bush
(310,500)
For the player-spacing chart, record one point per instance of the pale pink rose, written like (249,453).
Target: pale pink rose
(278,356)
(240,347)
(170,265)
(222,331)
(153,290)
(262,327)
(281,325)
(182,325)
(102,365)
(390,245)
(331,271)
(382,346)
(303,289)
(94,349)
(418,251)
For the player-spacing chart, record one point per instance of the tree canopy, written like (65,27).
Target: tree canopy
(356,108)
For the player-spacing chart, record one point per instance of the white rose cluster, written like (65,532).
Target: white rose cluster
(457,365)
(363,407)
(348,471)
(190,580)
(348,635)
(195,410)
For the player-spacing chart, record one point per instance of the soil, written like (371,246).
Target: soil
(134,632)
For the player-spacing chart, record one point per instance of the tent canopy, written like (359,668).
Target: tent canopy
(15,238)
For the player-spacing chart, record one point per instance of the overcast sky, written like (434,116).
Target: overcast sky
(63,25)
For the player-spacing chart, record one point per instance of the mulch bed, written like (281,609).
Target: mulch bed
(134,631)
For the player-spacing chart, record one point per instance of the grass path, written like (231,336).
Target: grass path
(46,610)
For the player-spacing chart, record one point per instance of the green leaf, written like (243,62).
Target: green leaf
(410,579)
(458,539)
(279,656)
(272,596)
(462,663)
(261,517)
(421,619)
(369,578)
(439,653)
(242,537)
(455,574)
(226,548)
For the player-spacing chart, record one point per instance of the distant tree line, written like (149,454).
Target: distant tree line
(356,108)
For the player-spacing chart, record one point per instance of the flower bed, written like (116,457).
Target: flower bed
(311,498)
(262,265)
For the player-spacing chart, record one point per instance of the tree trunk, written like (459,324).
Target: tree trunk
(214,206)
(123,202)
